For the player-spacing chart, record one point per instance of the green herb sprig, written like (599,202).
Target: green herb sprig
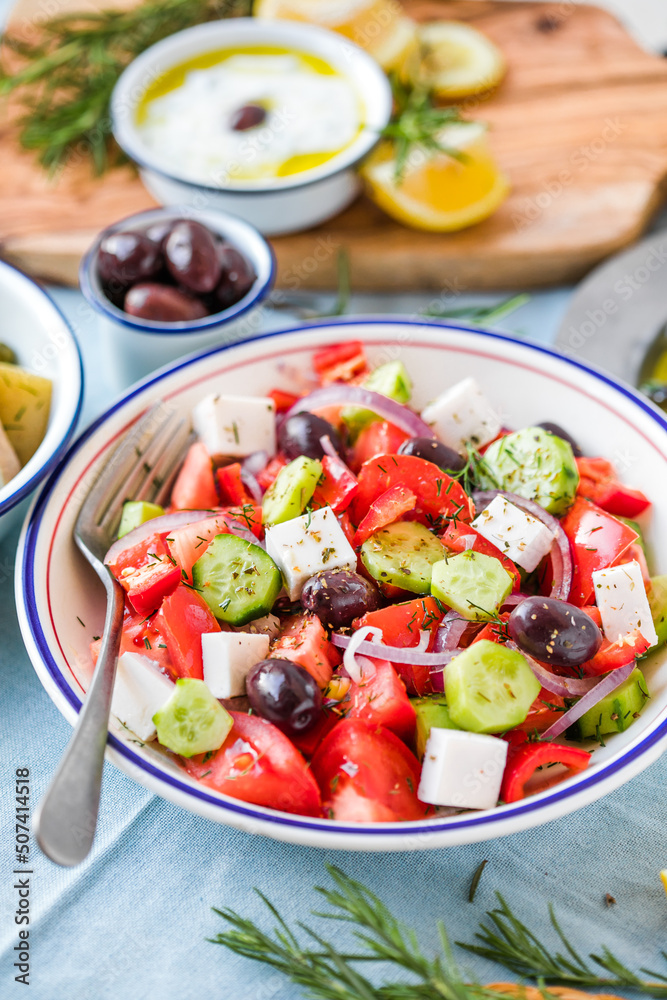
(325,973)
(479,315)
(416,123)
(66,81)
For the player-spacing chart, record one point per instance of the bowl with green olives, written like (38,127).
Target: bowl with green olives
(170,281)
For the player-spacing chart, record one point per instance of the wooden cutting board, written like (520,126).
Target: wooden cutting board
(579,125)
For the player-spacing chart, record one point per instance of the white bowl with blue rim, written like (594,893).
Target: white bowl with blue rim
(131,347)
(526,383)
(277,204)
(40,336)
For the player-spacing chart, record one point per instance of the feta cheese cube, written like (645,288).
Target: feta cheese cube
(236,426)
(303,546)
(139,691)
(620,595)
(463,415)
(462,769)
(228,656)
(521,537)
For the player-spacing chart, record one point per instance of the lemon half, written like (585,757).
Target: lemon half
(454,60)
(438,192)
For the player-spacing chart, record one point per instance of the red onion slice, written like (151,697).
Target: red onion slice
(358,667)
(561,557)
(566,687)
(412,655)
(179,519)
(450,632)
(591,698)
(341,394)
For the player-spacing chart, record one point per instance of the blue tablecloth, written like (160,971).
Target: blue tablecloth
(131,921)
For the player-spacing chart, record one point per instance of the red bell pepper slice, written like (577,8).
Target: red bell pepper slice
(439,497)
(388,507)
(194,488)
(183,618)
(231,486)
(598,482)
(148,585)
(597,539)
(340,362)
(524,759)
(283,401)
(337,487)
(460,537)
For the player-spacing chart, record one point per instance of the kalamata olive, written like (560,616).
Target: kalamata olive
(249,116)
(192,257)
(554,632)
(126,257)
(159,231)
(434,451)
(338,596)
(162,303)
(559,432)
(300,435)
(236,278)
(284,693)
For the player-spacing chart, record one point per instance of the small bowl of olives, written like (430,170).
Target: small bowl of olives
(171,281)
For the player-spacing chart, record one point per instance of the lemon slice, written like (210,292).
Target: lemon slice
(374,25)
(454,60)
(437,192)
(663,876)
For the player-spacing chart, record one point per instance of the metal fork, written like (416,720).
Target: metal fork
(142,467)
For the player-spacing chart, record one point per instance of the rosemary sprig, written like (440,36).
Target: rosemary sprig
(325,973)
(480,315)
(510,943)
(67,78)
(416,123)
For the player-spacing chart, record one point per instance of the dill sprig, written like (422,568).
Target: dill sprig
(479,315)
(510,943)
(326,973)
(66,79)
(416,123)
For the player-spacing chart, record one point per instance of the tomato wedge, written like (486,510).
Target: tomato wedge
(188,544)
(382,701)
(304,640)
(194,488)
(140,634)
(598,482)
(439,497)
(459,537)
(597,539)
(257,763)
(401,626)
(545,710)
(367,775)
(231,486)
(337,487)
(389,507)
(612,655)
(524,759)
(379,438)
(183,618)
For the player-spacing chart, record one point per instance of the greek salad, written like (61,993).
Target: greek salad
(357,612)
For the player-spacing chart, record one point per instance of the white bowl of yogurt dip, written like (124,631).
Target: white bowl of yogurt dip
(264,119)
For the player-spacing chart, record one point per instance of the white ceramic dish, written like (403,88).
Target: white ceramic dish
(526,382)
(283,205)
(132,347)
(36,330)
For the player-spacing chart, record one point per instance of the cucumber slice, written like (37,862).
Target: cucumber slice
(657,600)
(614,713)
(471,583)
(402,554)
(489,688)
(136,512)
(237,579)
(391,380)
(430,712)
(291,491)
(192,721)
(534,464)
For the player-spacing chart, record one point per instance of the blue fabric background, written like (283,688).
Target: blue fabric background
(131,922)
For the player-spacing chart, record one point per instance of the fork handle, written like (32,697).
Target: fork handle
(65,819)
